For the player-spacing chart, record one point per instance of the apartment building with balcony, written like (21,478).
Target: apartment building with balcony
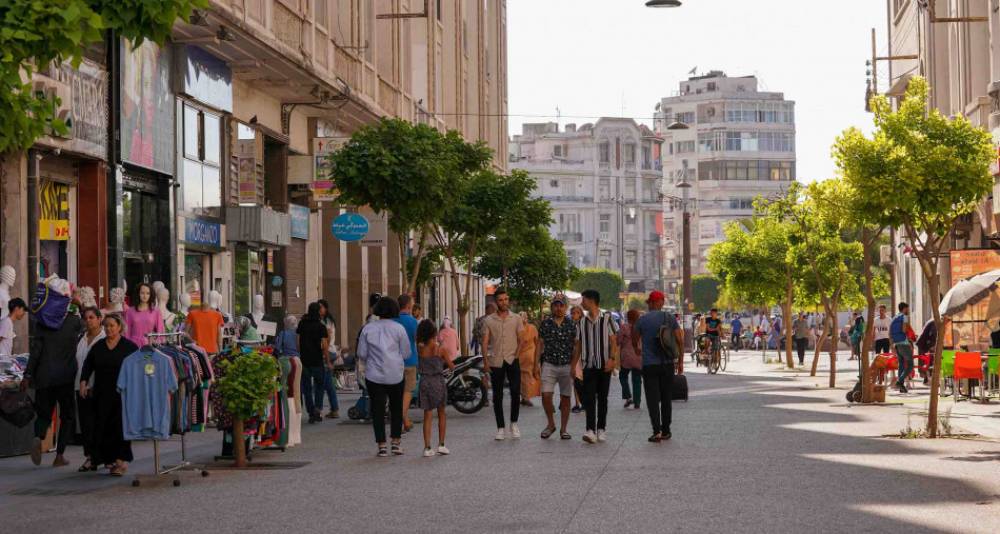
(603,180)
(736,142)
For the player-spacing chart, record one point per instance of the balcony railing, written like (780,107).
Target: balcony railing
(560,198)
(570,237)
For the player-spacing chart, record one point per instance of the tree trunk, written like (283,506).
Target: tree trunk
(868,239)
(932,411)
(787,308)
(834,341)
(239,446)
(820,339)
(411,284)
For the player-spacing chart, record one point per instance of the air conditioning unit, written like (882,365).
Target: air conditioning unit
(885,255)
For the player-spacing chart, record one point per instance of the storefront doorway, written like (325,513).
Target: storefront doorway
(145,234)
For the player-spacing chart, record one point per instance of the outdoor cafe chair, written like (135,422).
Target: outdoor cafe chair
(968,366)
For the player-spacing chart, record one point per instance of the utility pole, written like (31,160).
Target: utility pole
(685,188)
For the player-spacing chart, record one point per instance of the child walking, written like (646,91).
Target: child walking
(433,393)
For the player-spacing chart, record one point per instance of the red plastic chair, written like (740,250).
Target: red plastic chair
(968,365)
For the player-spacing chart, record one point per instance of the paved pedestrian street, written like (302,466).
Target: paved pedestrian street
(757,449)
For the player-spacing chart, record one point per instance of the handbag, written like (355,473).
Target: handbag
(16,407)
(49,307)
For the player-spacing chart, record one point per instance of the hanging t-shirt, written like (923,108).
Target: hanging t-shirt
(205,325)
(6,336)
(146,380)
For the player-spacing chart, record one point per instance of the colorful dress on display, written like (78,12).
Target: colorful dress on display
(139,323)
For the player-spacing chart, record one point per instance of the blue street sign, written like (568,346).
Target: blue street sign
(349,227)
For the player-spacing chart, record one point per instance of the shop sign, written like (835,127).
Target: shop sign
(205,77)
(53,223)
(968,263)
(199,232)
(276,299)
(147,107)
(277,281)
(84,106)
(350,227)
(378,230)
(300,221)
(322,187)
(270,261)
(247,178)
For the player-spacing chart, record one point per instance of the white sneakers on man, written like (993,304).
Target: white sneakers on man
(443,451)
(602,435)
(514,431)
(500,435)
(589,437)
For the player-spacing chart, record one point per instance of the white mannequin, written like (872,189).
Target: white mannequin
(156,287)
(116,298)
(215,300)
(88,299)
(185,303)
(7,277)
(258,309)
(162,298)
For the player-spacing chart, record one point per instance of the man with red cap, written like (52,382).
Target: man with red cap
(658,362)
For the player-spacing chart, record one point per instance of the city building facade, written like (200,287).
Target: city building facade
(200,162)
(604,183)
(735,143)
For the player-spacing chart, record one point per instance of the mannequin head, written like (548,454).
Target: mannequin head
(185,300)
(87,297)
(117,295)
(162,297)
(157,286)
(215,299)
(7,275)
(258,303)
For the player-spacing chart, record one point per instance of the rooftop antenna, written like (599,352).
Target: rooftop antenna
(558,115)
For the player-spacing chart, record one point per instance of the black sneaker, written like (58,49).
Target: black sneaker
(665,436)
(902,388)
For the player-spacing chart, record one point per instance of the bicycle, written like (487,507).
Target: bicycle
(715,362)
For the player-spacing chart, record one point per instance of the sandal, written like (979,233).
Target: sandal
(397,449)
(119,470)
(565,435)
(87,466)
(548,432)
(383,452)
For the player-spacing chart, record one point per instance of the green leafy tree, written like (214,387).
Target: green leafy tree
(541,266)
(920,171)
(411,171)
(35,33)
(489,204)
(754,266)
(704,291)
(246,383)
(608,283)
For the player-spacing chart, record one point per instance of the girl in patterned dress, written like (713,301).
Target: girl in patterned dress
(433,393)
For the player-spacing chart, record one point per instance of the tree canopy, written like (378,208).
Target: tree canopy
(608,283)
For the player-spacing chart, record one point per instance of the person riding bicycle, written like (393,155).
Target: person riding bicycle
(713,329)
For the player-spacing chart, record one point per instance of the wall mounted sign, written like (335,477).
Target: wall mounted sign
(349,227)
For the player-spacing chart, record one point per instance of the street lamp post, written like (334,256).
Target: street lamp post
(685,188)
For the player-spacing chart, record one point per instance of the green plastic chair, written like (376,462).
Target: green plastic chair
(993,361)
(947,363)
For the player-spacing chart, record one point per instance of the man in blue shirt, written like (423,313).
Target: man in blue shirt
(410,363)
(737,329)
(657,364)
(898,332)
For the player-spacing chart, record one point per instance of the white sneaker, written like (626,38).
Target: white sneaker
(428,452)
(500,436)
(589,437)
(443,451)
(514,431)
(602,435)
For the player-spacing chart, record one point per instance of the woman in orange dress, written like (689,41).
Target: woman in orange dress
(530,386)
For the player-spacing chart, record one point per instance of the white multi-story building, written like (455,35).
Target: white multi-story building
(739,144)
(604,182)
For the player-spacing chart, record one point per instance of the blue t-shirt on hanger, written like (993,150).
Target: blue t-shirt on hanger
(146,380)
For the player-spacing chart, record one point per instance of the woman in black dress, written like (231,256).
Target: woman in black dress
(105,361)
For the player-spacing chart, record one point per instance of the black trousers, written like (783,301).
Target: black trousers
(801,343)
(595,397)
(379,393)
(882,346)
(511,373)
(659,381)
(45,400)
(85,415)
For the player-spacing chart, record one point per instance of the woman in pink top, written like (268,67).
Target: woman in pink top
(448,338)
(144,318)
(631,362)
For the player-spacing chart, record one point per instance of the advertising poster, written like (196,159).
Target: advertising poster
(147,107)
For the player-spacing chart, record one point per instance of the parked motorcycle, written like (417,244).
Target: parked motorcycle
(466,390)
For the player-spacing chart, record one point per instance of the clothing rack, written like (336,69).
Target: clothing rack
(184,465)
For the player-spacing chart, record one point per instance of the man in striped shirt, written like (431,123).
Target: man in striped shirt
(596,347)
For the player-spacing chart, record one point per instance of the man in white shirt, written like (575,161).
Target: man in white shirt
(16,308)
(881,325)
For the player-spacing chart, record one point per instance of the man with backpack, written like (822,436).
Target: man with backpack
(660,353)
(900,332)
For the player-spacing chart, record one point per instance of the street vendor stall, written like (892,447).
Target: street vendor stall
(14,440)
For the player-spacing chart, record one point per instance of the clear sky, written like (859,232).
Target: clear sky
(618,58)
